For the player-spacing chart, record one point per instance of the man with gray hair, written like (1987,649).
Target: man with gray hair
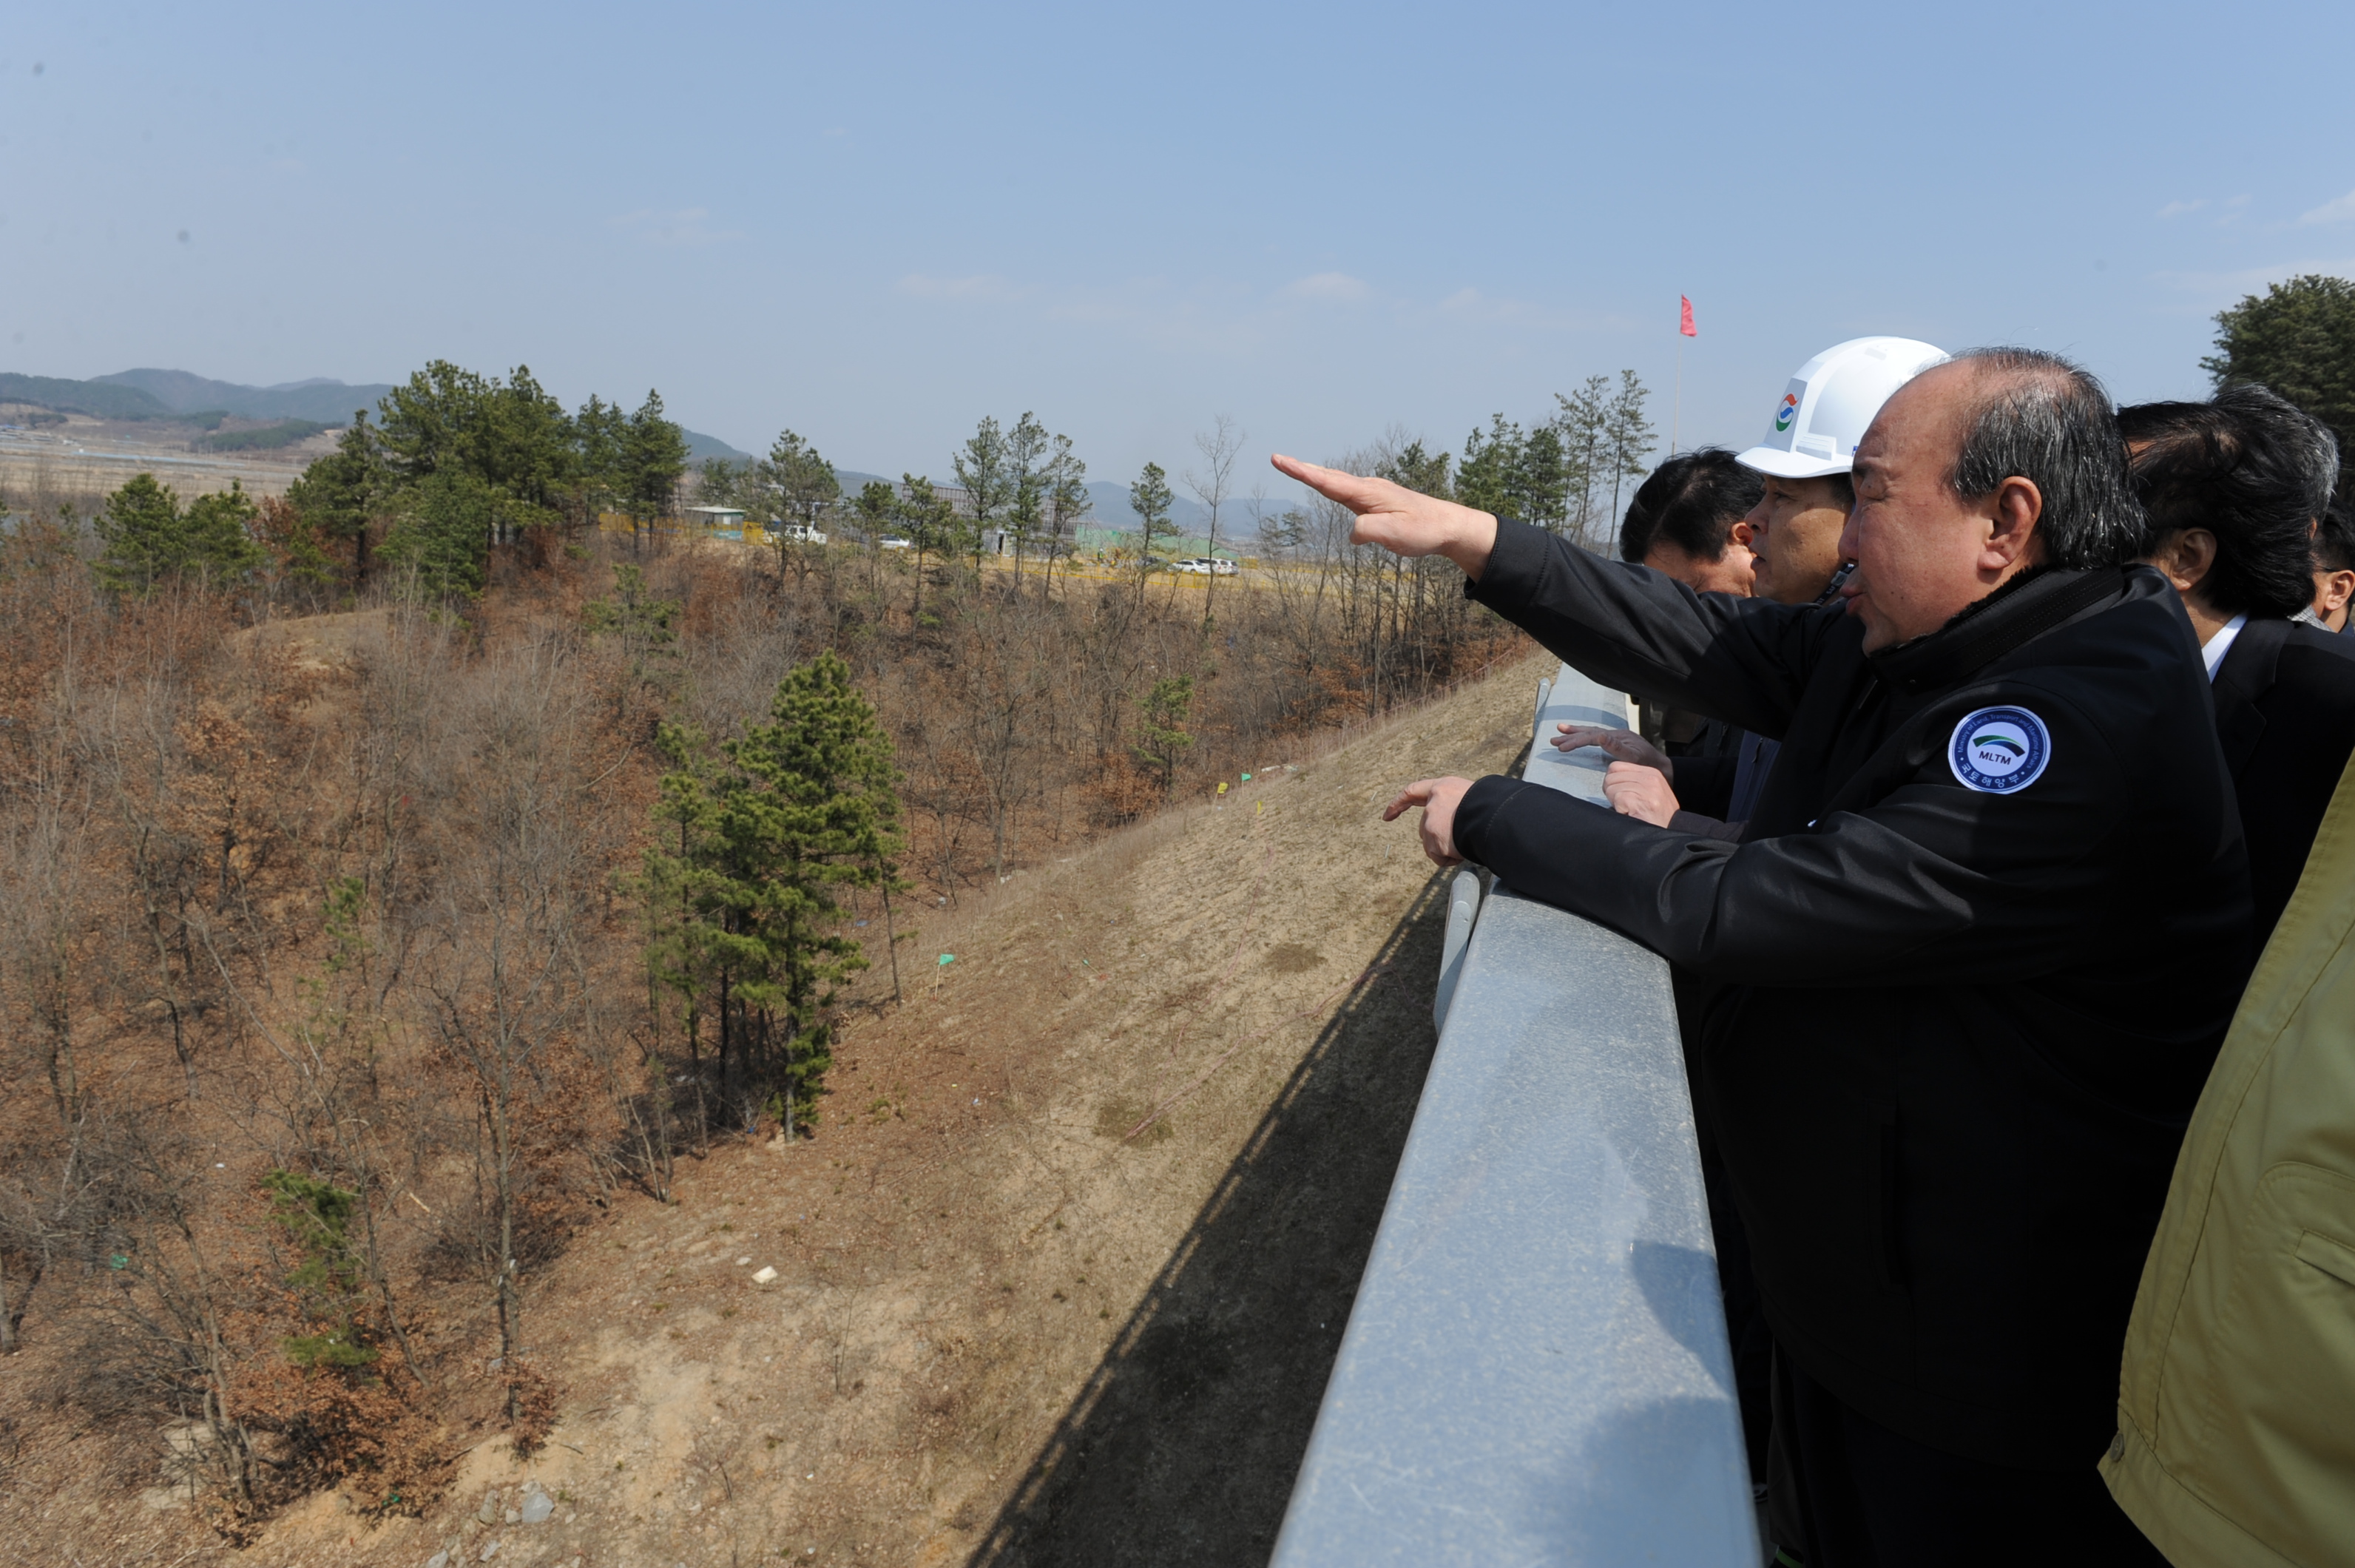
(1967,1005)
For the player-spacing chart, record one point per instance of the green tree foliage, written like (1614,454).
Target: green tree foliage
(456,448)
(328,1277)
(1489,476)
(875,507)
(1627,436)
(340,494)
(2298,338)
(981,469)
(1151,499)
(1026,484)
(511,436)
(443,529)
(1541,482)
(930,520)
(600,430)
(1419,470)
(1162,740)
(742,886)
(1583,422)
(719,482)
(802,483)
(646,627)
(652,460)
(151,543)
(1068,500)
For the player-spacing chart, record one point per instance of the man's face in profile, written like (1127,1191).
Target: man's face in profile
(1923,553)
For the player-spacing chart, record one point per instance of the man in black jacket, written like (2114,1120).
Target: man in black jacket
(1979,945)
(2235,489)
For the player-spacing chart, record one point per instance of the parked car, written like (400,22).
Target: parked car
(1204,565)
(895,542)
(801,533)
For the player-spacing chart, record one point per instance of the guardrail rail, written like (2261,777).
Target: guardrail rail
(1536,1368)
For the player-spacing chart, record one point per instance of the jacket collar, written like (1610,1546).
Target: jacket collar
(2246,674)
(2024,608)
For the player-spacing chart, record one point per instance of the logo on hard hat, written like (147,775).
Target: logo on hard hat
(1788,412)
(1999,750)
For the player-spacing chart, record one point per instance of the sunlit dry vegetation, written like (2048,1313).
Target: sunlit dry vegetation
(376,903)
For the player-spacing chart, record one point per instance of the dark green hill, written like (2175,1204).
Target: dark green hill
(152,394)
(92,397)
(320,400)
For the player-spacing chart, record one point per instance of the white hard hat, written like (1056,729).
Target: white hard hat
(1824,413)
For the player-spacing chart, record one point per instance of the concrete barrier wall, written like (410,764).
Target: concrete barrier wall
(1536,1368)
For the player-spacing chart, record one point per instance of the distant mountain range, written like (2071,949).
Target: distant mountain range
(150,394)
(178,393)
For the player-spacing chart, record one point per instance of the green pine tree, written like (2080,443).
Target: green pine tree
(339,494)
(1161,741)
(150,542)
(1151,499)
(328,1275)
(743,886)
(645,626)
(652,460)
(2298,338)
(981,469)
(1489,478)
(929,519)
(441,532)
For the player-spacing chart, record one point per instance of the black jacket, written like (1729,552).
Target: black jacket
(2286,714)
(1960,1032)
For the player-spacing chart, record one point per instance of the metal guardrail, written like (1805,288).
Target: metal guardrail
(1536,1368)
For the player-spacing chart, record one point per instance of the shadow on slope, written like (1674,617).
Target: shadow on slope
(1182,1446)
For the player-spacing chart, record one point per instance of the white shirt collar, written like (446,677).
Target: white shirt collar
(2214,649)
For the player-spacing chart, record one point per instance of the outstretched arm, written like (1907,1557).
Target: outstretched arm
(1402,521)
(1633,629)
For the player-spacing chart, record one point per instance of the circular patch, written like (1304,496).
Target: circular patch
(1785,410)
(1999,750)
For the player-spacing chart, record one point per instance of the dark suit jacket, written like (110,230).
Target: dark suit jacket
(2286,714)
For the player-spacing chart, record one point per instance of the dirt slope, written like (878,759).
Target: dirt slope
(1061,1279)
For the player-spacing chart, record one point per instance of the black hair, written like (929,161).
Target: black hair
(2042,419)
(2334,541)
(1691,501)
(2253,471)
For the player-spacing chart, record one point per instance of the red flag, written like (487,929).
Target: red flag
(1684,320)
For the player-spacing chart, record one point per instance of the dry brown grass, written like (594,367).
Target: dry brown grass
(1002,1331)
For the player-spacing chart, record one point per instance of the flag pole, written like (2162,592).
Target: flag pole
(1676,417)
(1684,330)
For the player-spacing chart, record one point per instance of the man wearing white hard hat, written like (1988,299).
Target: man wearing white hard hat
(1795,535)
(1805,455)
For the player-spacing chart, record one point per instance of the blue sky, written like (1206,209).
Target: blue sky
(876,223)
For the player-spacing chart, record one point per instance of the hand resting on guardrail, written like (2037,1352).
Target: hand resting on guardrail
(1639,780)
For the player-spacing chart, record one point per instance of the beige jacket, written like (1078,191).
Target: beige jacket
(2237,1401)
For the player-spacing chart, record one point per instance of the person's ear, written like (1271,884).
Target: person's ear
(2017,504)
(1744,533)
(2338,590)
(2185,558)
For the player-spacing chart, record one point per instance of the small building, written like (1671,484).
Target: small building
(724,520)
